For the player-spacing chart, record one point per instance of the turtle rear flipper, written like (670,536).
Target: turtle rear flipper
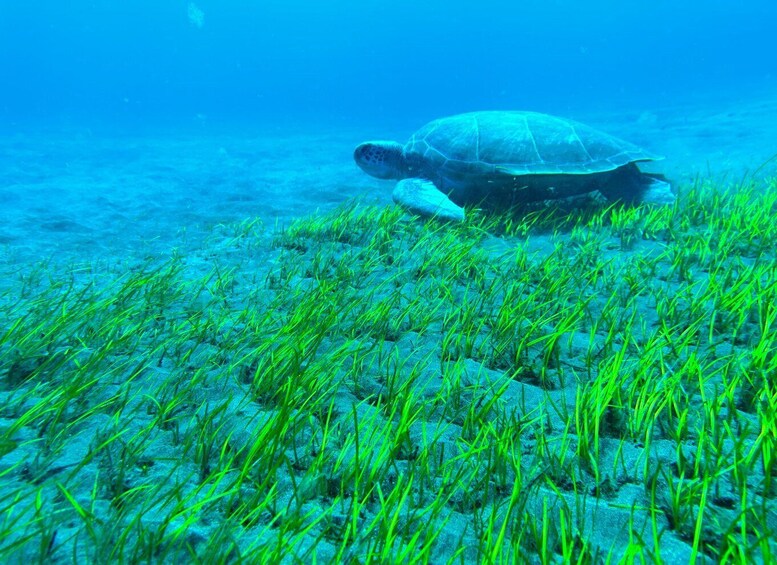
(628,184)
(655,190)
(423,198)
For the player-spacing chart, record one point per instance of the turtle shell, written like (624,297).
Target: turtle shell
(516,143)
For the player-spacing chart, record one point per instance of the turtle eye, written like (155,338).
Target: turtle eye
(362,153)
(374,156)
(366,153)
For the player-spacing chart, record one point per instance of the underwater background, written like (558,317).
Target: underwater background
(143,92)
(301,63)
(342,62)
(220,340)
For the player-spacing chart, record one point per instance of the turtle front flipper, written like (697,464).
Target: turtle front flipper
(423,198)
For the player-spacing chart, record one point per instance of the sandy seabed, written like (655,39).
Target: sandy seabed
(75,194)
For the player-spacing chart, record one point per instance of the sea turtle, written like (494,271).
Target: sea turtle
(501,158)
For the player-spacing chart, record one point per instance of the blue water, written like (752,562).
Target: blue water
(149,62)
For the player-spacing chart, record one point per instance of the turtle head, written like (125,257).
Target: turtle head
(382,159)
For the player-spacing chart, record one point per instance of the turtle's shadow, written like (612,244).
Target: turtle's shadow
(559,214)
